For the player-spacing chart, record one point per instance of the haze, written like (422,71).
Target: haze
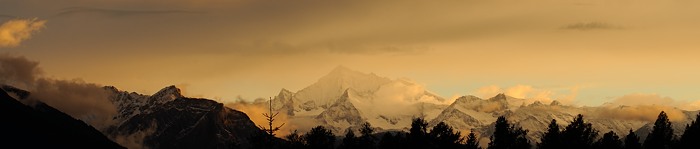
(587,51)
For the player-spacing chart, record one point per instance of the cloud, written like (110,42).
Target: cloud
(692,106)
(85,101)
(647,113)
(2,16)
(530,93)
(646,107)
(14,31)
(18,71)
(398,96)
(642,99)
(591,26)
(118,13)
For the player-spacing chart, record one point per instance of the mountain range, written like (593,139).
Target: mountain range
(165,119)
(344,99)
(341,100)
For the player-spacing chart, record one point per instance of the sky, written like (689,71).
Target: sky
(587,52)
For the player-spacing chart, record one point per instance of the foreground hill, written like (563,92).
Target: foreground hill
(42,126)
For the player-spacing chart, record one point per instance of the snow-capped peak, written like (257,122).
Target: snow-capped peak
(467,99)
(165,95)
(499,97)
(330,87)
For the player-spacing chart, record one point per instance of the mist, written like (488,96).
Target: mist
(88,102)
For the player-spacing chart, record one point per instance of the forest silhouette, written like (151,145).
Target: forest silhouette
(578,134)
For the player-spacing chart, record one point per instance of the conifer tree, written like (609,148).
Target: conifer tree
(294,141)
(661,135)
(552,138)
(579,134)
(418,134)
(386,142)
(350,141)
(472,141)
(632,141)
(366,140)
(320,138)
(691,135)
(444,137)
(610,140)
(507,136)
(392,141)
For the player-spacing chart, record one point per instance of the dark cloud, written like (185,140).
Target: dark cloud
(118,13)
(85,101)
(584,26)
(18,71)
(2,16)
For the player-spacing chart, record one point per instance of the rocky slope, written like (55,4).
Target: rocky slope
(169,120)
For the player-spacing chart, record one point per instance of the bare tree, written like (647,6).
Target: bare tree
(270,130)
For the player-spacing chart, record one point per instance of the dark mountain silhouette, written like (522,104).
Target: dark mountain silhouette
(42,126)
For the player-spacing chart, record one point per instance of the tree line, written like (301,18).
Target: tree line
(578,134)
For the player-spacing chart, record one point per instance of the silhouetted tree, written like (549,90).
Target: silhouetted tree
(234,145)
(552,138)
(610,140)
(260,141)
(418,134)
(661,135)
(294,141)
(270,130)
(691,135)
(319,138)
(507,136)
(632,141)
(579,134)
(392,141)
(366,139)
(472,141)
(350,141)
(444,137)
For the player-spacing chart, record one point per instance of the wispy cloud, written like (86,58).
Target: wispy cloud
(584,26)
(118,13)
(14,31)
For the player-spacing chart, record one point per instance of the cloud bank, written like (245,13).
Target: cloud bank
(85,101)
(529,93)
(646,107)
(14,31)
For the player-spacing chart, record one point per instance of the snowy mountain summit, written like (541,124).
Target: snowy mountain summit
(345,98)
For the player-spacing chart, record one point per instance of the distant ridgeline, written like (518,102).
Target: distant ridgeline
(349,109)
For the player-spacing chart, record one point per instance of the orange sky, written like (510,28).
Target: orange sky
(592,51)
